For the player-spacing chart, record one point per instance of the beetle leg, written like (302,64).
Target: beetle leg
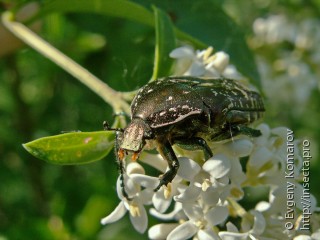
(195,143)
(120,154)
(242,117)
(166,151)
(120,158)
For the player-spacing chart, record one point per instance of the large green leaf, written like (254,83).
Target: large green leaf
(72,148)
(206,21)
(165,43)
(202,23)
(118,8)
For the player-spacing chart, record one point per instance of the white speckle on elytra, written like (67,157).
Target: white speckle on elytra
(185,107)
(172,109)
(169,98)
(178,118)
(162,113)
(207,84)
(150,90)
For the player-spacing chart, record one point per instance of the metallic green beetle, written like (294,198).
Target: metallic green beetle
(187,111)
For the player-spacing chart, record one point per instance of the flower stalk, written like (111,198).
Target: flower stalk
(117,100)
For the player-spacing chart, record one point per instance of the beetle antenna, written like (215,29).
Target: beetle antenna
(106,126)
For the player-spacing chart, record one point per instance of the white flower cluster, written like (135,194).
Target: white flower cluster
(202,202)
(294,69)
(205,194)
(203,63)
(277,29)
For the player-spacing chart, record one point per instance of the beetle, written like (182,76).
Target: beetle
(187,111)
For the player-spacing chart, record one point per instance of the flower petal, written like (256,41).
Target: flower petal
(316,234)
(189,195)
(210,197)
(218,166)
(161,231)
(196,69)
(193,211)
(299,194)
(220,61)
(188,168)
(231,227)
(207,234)
(145,196)
(239,147)
(154,160)
(182,52)
(280,131)
(259,224)
(134,167)
(233,236)
(130,187)
(237,176)
(232,72)
(259,157)
(140,221)
(145,180)
(184,231)
(262,206)
(160,202)
(303,237)
(169,216)
(263,139)
(217,215)
(114,216)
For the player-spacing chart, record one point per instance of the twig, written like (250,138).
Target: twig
(112,97)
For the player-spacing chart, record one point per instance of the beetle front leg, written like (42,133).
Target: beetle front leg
(195,143)
(166,151)
(120,155)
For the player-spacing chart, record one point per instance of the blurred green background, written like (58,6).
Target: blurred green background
(39,99)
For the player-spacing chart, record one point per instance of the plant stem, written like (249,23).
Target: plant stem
(112,97)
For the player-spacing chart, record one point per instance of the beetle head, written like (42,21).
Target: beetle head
(134,136)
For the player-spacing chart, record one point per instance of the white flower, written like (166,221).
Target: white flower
(253,226)
(203,63)
(202,192)
(287,70)
(204,195)
(200,222)
(138,214)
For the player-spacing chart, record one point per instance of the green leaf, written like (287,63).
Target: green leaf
(165,43)
(72,148)
(118,8)
(206,21)
(201,23)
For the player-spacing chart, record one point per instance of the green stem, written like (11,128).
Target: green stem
(112,97)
